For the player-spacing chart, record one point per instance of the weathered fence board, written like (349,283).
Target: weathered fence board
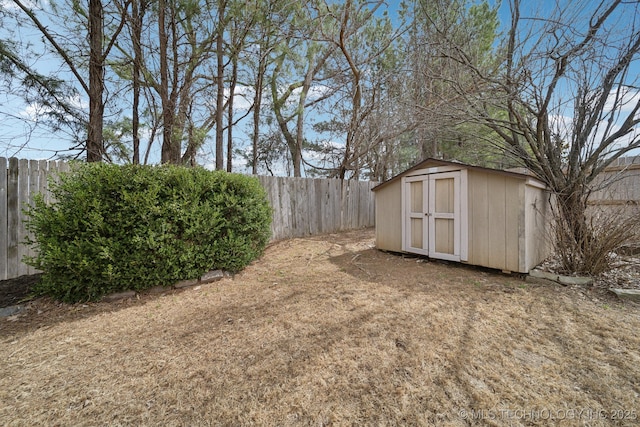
(34,188)
(23,200)
(620,185)
(4,220)
(12,219)
(301,206)
(304,206)
(617,190)
(20,183)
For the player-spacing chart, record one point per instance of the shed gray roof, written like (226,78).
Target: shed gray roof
(430,162)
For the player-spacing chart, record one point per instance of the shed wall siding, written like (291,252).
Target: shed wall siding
(538,211)
(478,219)
(495,226)
(514,224)
(389,217)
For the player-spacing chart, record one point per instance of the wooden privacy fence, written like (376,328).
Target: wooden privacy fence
(304,206)
(619,193)
(18,186)
(301,207)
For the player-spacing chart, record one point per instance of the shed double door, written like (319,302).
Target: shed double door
(431,215)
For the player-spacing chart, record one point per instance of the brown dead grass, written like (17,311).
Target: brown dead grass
(329,331)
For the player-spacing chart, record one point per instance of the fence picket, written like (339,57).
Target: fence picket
(23,199)
(34,175)
(4,220)
(12,219)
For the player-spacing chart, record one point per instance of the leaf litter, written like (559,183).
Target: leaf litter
(329,331)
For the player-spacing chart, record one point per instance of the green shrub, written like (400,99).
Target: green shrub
(115,228)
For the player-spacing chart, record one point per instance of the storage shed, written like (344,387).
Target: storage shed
(458,212)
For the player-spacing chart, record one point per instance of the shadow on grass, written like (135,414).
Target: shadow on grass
(420,274)
(17,290)
(40,312)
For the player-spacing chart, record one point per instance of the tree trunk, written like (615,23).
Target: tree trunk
(574,237)
(257,105)
(232,89)
(137,11)
(428,144)
(278,105)
(295,146)
(165,99)
(95,144)
(220,87)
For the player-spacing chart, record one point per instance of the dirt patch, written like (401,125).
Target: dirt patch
(329,331)
(15,291)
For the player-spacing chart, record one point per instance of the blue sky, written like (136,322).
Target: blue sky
(41,144)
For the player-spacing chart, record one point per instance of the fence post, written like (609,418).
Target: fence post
(13,219)
(4,221)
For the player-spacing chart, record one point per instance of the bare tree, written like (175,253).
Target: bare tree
(565,104)
(240,23)
(354,21)
(265,39)
(186,53)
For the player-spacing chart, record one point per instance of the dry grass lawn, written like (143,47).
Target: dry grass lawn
(329,331)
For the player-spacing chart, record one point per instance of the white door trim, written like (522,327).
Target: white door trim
(455,216)
(428,216)
(407,215)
